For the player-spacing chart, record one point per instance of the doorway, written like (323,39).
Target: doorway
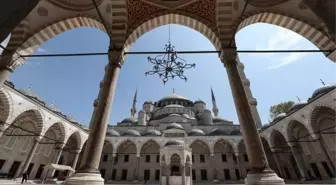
(13,169)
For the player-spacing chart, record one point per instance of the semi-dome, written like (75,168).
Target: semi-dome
(218,119)
(219,132)
(196,132)
(279,117)
(174,126)
(152,132)
(298,105)
(30,93)
(323,89)
(235,132)
(53,107)
(129,120)
(112,132)
(174,142)
(131,132)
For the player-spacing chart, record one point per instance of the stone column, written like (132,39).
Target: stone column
(183,173)
(239,164)
(252,101)
(299,162)
(276,159)
(255,150)
(137,172)
(4,74)
(167,174)
(99,122)
(214,171)
(56,158)
(190,174)
(74,163)
(328,157)
(111,169)
(30,156)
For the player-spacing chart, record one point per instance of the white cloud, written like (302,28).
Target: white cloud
(293,57)
(41,50)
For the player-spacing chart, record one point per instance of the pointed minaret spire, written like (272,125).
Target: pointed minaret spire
(174,90)
(322,82)
(133,109)
(214,104)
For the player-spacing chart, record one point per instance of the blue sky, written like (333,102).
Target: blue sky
(72,83)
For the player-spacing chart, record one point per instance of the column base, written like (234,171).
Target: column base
(85,179)
(264,179)
(215,180)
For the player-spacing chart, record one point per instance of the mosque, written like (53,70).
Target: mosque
(171,140)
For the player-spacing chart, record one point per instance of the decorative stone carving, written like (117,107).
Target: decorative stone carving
(139,12)
(206,9)
(42,11)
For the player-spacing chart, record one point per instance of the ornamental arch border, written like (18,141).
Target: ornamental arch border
(63,130)
(149,140)
(40,122)
(8,104)
(172,18)
(78,139)
(35,40)
(213,144)
(317,37)
(130,140)
(203,141)
(290,126)
(312,117)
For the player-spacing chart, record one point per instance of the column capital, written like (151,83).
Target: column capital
(115,56)
(78,151)
(38,138)
(228,56)
(59,146)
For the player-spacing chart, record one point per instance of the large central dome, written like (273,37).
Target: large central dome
(174,99)
(174,96)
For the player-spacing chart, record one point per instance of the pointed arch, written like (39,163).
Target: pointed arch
(319,38)
(149,143)
(6,106)
(35,40)
(165,19)
(204,146)
(59,128)
(318,112)
(77,138)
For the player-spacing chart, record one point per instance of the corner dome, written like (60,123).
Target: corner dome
(217,119)
(131,132)
(174,142)
(28,92)
(323,89)
(279,117)
(53,107)
(196,132)
(129,120)
(298,105)
(152,132)
(219,132)
(112,132)
(174,126)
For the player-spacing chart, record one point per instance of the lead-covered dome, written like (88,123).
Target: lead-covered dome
(196,132)
(199,101)
(174,96)
(174,142)
(131,132)
(298,105)
(323,89)
(30,93)
(71,118)
(53,107)
(129,120)
(112,132)
(279,117)
(217,119)
(174,126)
(219,132)
(152,132)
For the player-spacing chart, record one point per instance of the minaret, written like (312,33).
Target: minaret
(133,109)
(214,105)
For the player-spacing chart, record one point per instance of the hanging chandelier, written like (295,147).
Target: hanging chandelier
(169,65)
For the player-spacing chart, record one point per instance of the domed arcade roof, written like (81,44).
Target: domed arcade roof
(298,105)
(323,89)
(152,132)
(218,119)
(174,126)
(131,132)
(279,117)
(53,107)
(112,132)
(175,142)
(129,120)
(219,132)
(196,132)
(28,92)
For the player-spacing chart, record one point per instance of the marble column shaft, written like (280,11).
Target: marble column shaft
(137,168)
(300,162)
(167,174)
(324,150)
(183,174)
(99,120)
(255,150)
(4,74)
(239,164)
(74,163)
(214,172)
(30,156)
(276,159)
(56,159)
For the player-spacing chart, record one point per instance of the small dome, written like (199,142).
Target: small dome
(173,106)
(131,132)
(298,105)
(217,119)
(30,93)
(129,120)
(199,101)
(152,132)
(53,108)
(71,118)
(219,132)
(324,89)
(174,126)
(174,142)
(196,132)
(235,132)
(112,132)
(279,117)
(174,114)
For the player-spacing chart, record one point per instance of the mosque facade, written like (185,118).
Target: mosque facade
(172,139)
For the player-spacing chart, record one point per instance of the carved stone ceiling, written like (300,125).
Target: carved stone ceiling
(140,11)
(75,5)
